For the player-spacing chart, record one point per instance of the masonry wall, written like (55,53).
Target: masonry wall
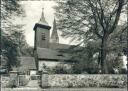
(12,81)
(51,64)
(4,81)
(87,80)
(72,80)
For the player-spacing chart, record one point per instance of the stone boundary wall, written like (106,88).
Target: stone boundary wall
(81,80)
(87,80)
(9,81)
(4,81)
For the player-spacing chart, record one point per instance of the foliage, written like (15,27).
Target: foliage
(123,71)
(9,8)
(23,81)
(9,51)
(12,83)
(13,42)
(62,69)
(27,51)
(93,20)
(86,60)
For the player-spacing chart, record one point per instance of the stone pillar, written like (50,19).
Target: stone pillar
(44,80)
(14,78)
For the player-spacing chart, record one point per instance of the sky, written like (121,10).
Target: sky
(33,10)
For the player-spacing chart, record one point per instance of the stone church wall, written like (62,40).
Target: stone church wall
(52,64)
(48,64)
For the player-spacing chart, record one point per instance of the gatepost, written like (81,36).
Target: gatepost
(44,79)
(14,78)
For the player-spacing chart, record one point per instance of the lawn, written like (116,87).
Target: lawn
(65,89)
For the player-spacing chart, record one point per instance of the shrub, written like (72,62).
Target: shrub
(123,71)
(23,81)
(12,83)
(62,69)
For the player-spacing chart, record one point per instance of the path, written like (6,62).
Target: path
(33,83)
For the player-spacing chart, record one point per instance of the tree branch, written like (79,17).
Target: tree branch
(120,5)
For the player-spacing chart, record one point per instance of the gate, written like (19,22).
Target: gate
(29,80)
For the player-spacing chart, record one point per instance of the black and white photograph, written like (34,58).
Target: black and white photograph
(63,45)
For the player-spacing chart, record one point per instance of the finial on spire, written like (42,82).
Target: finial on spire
(43,9)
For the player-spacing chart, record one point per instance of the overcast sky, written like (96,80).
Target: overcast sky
(33,10)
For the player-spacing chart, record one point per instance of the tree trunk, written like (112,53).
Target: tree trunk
(104,68)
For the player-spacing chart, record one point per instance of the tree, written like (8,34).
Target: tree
(23,48)
(86,60)
(9,32)
(91,20)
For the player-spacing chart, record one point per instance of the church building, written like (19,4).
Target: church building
(47,48)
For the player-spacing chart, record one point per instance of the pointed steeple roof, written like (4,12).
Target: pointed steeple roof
(54,35)
(42,22)
(42,19)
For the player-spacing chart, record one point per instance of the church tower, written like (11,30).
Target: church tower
(42,33)
(54,35)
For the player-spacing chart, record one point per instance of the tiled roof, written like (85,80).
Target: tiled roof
(45,53)
(59,46)
(26,63)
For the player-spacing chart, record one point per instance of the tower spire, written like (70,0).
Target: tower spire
(54,35)
(42,18)
(42,33)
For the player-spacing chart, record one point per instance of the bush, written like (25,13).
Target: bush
(12,83)
(80,68)
(62,69)
(23,81)
(123,71)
